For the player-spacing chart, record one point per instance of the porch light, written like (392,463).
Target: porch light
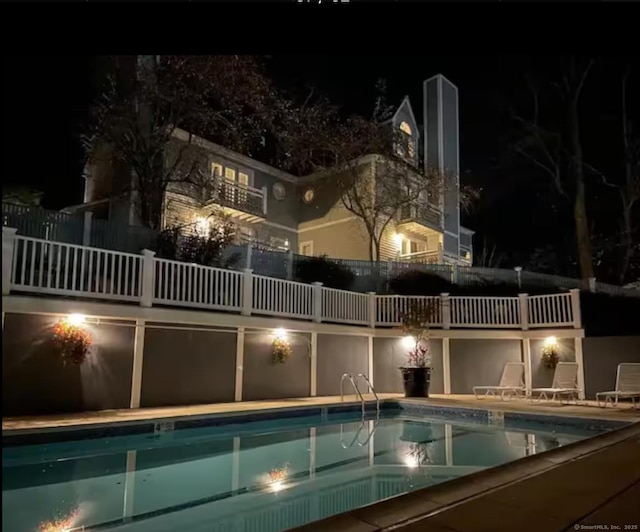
(397,239)
(551,341)
(75,319)
(202,226)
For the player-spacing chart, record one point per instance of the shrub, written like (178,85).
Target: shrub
(320,269)
(205,250)
(417,283)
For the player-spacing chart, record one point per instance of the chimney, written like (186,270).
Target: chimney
(441,151)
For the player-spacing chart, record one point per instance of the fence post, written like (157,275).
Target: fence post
(290,265)
(148,274)
(317,302)
(454,273)
(445,306)
(8,245)
(524,311)
(247,292)
(86,228)
(265,194)
(592,285)
(248,264)
(372,309)
(518,270)
(575,308)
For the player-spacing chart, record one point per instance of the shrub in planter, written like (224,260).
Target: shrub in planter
(416,374)
(321,269)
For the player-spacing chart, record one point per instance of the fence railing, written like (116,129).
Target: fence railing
(35,266)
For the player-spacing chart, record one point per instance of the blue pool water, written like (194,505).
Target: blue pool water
(258,476)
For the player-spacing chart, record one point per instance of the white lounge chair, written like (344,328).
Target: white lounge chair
(565,383)
(627,386)
(511,382)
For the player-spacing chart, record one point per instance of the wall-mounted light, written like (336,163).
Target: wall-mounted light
(550,352)
(408,342)
(280,334)
(280,347)
(202,226)
(75,319)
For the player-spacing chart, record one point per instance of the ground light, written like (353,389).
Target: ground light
(75,319)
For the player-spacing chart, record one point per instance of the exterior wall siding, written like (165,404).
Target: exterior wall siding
(601,358)
(184,367)
(35,381)
(339,354)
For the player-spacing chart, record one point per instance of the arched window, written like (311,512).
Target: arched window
(406,146)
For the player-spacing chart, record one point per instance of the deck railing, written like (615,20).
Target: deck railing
(35,266)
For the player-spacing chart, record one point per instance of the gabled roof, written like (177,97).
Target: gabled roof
(406,101)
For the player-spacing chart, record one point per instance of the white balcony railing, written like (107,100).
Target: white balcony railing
(35,266)
(239,197)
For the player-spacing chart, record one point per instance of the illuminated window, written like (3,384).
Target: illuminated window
(216,169)
(230,174)
(406,128)
(406,144)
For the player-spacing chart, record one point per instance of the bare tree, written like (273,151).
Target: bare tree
(358,158)
(626,186)
(557,149)
(147,98)
(488,256)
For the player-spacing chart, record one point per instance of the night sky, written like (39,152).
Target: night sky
(45,101)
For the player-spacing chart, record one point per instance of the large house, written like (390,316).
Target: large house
(288,212)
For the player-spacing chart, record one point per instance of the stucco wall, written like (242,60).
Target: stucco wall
(337,355)
(35,381)
(601,358)
(264,379)
(480,362)
(182,367)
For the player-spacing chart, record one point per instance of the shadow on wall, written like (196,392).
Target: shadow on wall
(35,381)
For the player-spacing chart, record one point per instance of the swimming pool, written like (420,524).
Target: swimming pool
(263,472)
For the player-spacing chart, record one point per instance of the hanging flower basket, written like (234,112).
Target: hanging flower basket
(550,356)
(281,350)
(71,342)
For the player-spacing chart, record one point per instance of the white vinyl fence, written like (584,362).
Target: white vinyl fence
(35,266)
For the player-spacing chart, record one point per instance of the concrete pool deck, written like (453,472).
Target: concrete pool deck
(588,409)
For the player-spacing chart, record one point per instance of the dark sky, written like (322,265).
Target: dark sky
(45,99)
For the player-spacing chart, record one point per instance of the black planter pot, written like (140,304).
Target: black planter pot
(416,381)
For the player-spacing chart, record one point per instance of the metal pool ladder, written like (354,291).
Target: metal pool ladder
(354,383)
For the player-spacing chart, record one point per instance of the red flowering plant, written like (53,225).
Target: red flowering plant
(72,342)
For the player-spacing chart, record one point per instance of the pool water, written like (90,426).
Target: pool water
(260,476)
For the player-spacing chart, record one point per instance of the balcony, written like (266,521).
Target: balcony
(241,202)
(425,215)
(433,256)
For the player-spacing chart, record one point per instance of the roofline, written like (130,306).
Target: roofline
(466,230)
(440,76)
(408,102)
(181,134)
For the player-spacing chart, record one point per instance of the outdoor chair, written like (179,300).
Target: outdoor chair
(511,383)
(565,383)
(627,386)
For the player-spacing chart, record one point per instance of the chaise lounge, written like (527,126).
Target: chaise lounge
(627,386)
(511,382)
(565,383)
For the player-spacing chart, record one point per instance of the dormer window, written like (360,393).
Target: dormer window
(406,144)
